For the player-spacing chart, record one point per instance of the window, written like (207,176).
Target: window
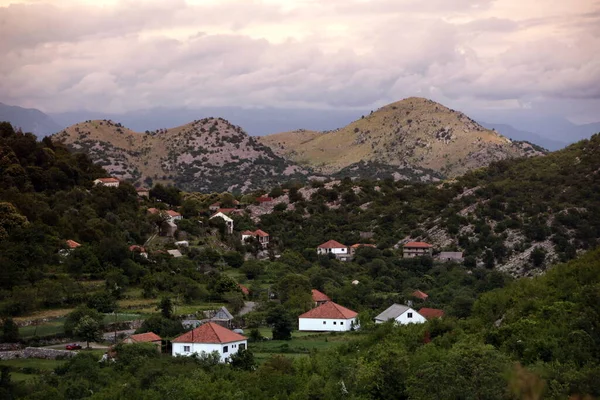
(225,349)
(341,322)
(186,349)
(409,315)
(243,346)
(324,322)
(334,322)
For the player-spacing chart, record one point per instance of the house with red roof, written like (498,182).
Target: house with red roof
(148,337)
(143,192)
(208,338)
(261,236)
(420,295)
(138,250)
(335,248)
(417,249)
(319,298)
(356,246)
(108,182)
(264,199)
(228,221)
(244,289)
(328,317)
(401,314)
(71,245)
(431,313)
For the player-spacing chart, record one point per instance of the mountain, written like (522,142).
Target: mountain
(205,155)
(516,134)
(29,120)
(414,133)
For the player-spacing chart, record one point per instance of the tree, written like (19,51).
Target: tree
(253,268)
(538,256)
(166,307)
(281,321)
(9,219)
(76,315)
(88,329)
(243,359)
(233,259)
(163,327)
(10,331)
(103,302)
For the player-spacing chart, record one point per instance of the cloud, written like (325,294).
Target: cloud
(296,53)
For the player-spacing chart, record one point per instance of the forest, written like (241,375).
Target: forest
(502,336)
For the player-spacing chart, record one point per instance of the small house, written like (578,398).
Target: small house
(222,317)
(420,295)
(143,192)
(451,256)
(319,298)
(401,314)
(138,250)
(328,317)
(174,215)
(71,245)
(264,199)
(431,313)
(228,221)
(148,337)
(244,289)
(416,249)
(209,338)
(356,246)
(108,182)
(261,236)
(332,247)
(175,253)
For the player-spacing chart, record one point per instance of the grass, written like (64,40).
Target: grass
(32,363)
(49,328)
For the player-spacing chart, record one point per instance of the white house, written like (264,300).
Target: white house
(228,221)
(332,247)
(208,338)
(109,182)
(401,314)
(174,215)
(328,317)
(416,249)
(260,235)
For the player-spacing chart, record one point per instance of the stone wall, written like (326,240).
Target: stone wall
(37,352)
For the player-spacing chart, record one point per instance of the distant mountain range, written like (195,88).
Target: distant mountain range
(29,120)
(516,134)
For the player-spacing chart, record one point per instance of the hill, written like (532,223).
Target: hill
(29,120)
(205,155)
(414,132)
(516,134)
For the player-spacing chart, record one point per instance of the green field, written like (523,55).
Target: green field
(49,328)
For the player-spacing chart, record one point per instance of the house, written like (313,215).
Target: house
(431,313)
(333,247)
(139,250)
(174,215)
(108,182)
(244,289)
(401,314)
(416,249)
(222,317)
(319,298)
(355,282)
(228,221)
(143,192)
(182,243)
(456,256)
(264,199)
(261,236)
(329,316)
(148,337)
(175,253)
(168,228)
(420,295)
(214,207)
(354,247)
(191,323)
(207,339)
(71,244)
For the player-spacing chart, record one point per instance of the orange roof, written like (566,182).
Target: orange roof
(264,199)
(330,310)
(72,244)
(153,210)
(209,333)
(421,245)
(108,180)
(319,296)
(332,244)
(357,245)
(248,233)
(420,295)
(135,247)
(430,313)
(258,232)
(225,210)
(145,337)
(244,289)
(173,213)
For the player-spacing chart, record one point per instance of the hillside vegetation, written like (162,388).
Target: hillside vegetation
(205,155)
(415,133)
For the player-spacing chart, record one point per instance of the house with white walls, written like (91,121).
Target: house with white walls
(328,317)
(261,236)
(208,338)
(401,314)
(108,182)
(228,221)
(341,251)
(319,297)
(416,249)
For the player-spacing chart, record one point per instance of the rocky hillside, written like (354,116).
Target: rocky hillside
(412,133)
(206,155)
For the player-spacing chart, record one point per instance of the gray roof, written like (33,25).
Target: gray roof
(392,312)
(175,253)
(222,314)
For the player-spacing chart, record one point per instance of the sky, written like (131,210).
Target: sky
(117,56)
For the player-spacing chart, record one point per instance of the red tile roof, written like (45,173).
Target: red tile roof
(244,289)
(332,244)
(357,245)
(225,210)
(420,295)
(330,310)
(264,199)
(319,296)
(72,244)
(145,337)
(108,180)
(430,313)
(173,213)
(209,333)
(420,245)
(135,247)
(258,232)
(153,210)
(248,233)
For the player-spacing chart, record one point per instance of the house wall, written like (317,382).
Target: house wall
(417,318)
(343,250)
(317,325)
(233,347)
(415,252)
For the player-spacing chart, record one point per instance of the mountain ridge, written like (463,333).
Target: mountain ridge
(29,120)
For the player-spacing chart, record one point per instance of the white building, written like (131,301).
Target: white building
(109,182)
(341,252)
(401,314)
(328,317)
(174,215)
(208,338)
(416,249)
(228,221)
(261,236)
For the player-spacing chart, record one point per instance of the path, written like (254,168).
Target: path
(248,307)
